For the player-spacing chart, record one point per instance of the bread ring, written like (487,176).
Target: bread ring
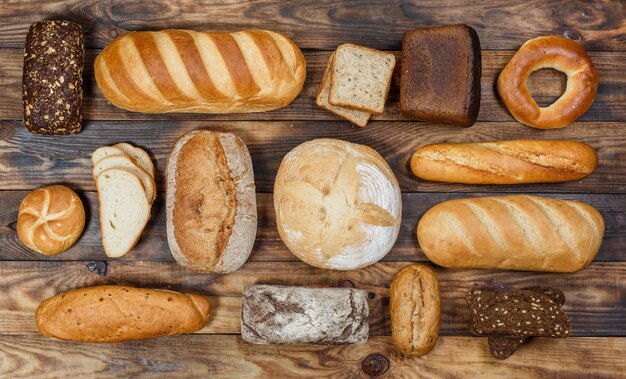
(559,53)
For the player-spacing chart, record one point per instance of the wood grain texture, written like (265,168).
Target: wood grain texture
(595,295)
(268,245)
(223,356)
(66,160)
(546,86)
(325,24)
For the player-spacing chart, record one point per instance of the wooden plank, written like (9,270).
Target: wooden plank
(546,85)
(268,246)
(29,160)
(326,24)
(222,356)
(595,295)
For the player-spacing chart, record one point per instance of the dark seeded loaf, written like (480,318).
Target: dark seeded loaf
(301,315)
(52,83)
(441,70)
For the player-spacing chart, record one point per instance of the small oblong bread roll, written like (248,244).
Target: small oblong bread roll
(120,313)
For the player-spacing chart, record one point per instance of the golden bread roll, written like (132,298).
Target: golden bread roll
(338,204)
(415,310)
(50,219)
(120,313)
(202,72)
(517,232)
(504,162)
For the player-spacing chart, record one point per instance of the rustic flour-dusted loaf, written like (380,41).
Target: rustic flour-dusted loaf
(302,315)
(505,162)
(52,84)
(50,219)
(415,305)
(441,70)
(517,232)
(211,202)
(188,71)
(338,204)
(120,313)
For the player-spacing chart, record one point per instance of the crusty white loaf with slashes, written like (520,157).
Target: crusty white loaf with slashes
(211,202)
(505,162)
(188,71)
(415,305)
(120,313)
(517,232)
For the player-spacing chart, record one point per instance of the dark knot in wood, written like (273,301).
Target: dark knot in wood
(375,365)
(98,266)
(345,284)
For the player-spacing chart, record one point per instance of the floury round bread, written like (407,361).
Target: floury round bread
(338,204)
(211,202)
(517,232)
(187,71)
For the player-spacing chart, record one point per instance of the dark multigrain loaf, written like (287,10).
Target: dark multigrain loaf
(302,315)
(441,69)
(52,85)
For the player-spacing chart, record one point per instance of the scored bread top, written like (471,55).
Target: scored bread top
(361,78)
(354,116)
(211,202)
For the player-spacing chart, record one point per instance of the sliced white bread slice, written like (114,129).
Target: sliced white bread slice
(142,158)
(356,117)
(360,78)
(124,210)
(105,151)
(127,163)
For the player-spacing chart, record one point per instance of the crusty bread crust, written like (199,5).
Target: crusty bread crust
(119,313)
(517,232)
(415,310)
(242,231)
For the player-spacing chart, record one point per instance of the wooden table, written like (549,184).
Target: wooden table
(596,296)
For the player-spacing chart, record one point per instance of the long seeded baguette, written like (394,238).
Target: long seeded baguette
(188,71)
(119,313)
(505,162)
(517,232)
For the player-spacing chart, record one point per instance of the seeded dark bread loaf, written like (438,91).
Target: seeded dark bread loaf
(211,202)
(415,310)
(441,70)
(301,315)
(52,83)
(505,162)
(119,313)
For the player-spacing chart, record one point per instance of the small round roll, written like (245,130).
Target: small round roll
(415,310)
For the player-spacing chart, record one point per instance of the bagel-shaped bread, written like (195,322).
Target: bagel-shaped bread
(561,54)
(50,219)
(338,204)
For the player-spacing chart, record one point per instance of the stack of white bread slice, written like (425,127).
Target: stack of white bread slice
(356,82)
(124,177)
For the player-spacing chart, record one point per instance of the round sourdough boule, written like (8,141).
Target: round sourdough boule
(50,219)
(338,204)
(211,202)
(415,305)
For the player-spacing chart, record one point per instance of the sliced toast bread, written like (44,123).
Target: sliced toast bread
(361,78)
(141,157)
(356,117)
(119,161)
(104,152)
(124,210)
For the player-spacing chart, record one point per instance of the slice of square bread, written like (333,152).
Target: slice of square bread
(356,117)
(361,78)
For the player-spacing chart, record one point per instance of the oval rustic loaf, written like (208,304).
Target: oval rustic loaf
(211,202)
(203,72)
(120,313)
(517,232)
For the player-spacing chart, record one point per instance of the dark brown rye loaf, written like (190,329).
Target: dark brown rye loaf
(52,83)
